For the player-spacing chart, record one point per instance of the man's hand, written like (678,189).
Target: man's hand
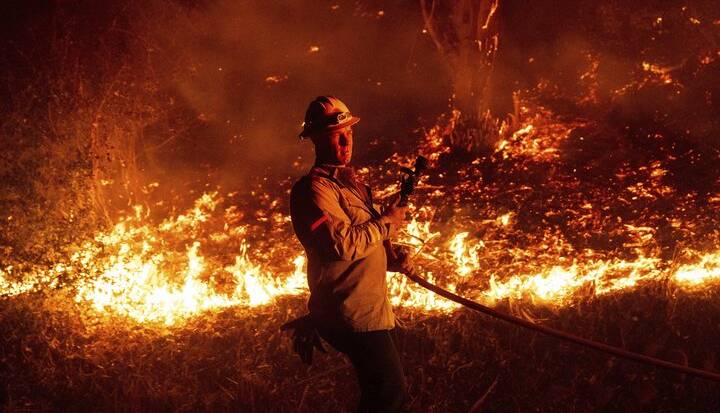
(403,260)
(396,214)
(305,337)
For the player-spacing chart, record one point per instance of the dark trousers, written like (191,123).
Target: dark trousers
(377,365)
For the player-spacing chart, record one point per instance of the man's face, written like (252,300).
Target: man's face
(335,146)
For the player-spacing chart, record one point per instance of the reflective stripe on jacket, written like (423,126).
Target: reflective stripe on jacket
(343,235)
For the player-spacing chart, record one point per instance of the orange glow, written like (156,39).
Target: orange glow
(205,258)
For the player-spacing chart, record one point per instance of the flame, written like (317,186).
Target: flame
(132,271)
(406,294)
(214,256)
(465,258)
(10,287)
(694,275)
(148,283)
(558,284)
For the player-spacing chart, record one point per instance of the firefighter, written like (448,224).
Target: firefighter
(343,233)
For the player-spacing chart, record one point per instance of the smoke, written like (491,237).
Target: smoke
(206,92)
(100,100)
(645,74)
(244,73)
(643,68)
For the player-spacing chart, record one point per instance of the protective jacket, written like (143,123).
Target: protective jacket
(342,232)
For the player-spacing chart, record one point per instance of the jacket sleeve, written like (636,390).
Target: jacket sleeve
(332,232)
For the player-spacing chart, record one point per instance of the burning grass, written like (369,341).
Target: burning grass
(182,313)
(595,212)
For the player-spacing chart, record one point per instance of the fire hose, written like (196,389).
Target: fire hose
(562,335)
(407,187)
(305,338)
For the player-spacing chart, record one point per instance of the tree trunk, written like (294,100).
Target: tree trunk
(466,36)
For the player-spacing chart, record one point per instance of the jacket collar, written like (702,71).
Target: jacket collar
(330,170)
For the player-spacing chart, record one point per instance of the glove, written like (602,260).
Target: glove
(305,338)
(396,215)
(403,260)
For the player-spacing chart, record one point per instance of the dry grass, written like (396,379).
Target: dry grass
(57,359)
(58,356)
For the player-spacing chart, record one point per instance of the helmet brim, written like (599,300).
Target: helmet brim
(310,131)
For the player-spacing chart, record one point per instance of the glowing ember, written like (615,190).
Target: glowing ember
(662,73)
(275,79)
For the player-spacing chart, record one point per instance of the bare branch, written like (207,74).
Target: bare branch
(428,16)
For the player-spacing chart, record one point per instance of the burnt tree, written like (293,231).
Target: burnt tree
(465,33)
